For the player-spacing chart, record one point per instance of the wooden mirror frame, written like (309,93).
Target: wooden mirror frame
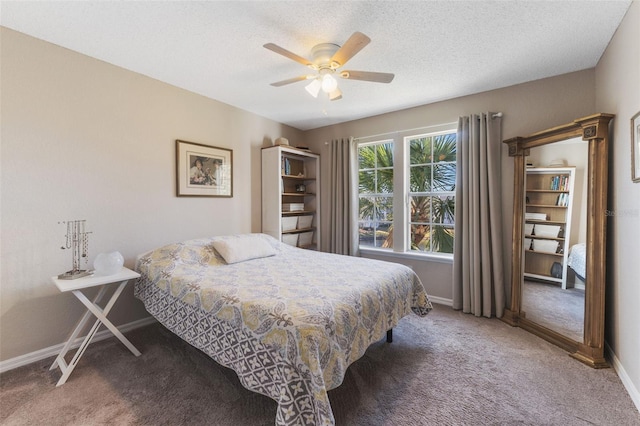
(595,130)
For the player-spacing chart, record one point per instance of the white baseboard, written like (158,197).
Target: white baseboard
(634,393)
(53,351)
(441,300)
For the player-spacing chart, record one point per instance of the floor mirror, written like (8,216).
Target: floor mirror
(559,236)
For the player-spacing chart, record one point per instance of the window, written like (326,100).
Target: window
(432,185)
(415,193)
(375,183)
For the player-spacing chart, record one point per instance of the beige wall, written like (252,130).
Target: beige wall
(82,139)
(618,92)
(527,108)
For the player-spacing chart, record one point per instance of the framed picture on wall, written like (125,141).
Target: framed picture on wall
(203,170)
(635,148)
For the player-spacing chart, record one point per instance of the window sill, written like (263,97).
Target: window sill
(443,258)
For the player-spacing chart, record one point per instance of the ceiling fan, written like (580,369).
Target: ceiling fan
(326,59)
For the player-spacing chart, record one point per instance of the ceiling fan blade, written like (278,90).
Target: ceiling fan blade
(288,54)
(377,77)
(356,43)
(290,80)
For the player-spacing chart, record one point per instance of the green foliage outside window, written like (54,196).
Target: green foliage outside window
(432,181)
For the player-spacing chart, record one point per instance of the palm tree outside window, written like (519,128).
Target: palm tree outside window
(428,222)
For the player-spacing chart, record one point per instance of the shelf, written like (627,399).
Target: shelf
(297,212)
(545,252)
(551,191)
(547,206)
(299,231)
(297,194)
(535,237)
(543,277)
(546,222)
(293,177)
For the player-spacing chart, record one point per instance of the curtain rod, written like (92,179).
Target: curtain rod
(406,130)
(494,115)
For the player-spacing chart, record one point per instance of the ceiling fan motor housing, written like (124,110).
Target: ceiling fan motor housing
(322,54)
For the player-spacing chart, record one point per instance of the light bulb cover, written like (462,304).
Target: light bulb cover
(329,84)
(314,87)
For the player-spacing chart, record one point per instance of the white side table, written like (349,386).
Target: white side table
(76,286)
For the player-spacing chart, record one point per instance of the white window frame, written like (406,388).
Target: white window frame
(401,204)
(376,194)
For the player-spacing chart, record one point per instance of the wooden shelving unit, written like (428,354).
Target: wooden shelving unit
(549,192)
(291,176)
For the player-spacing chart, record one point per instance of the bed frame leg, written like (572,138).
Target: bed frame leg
(390,335)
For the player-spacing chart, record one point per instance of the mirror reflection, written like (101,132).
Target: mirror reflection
(555,227)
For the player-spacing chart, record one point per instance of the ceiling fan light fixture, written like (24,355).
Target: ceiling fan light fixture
(335,95)
(314,87)
(329,84)
(326,60)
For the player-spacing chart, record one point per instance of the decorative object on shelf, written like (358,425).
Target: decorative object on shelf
(558,162)
(203,170)
(108,263)
(282,141)
(556,270)
(76,240)
(635,148)
(293,207)
(301,187)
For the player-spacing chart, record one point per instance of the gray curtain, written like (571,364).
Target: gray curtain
(478,279)
(340,199)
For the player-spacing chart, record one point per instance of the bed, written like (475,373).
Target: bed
(577,260)
(288,321)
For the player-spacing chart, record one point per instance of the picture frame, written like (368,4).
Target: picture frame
(635,148)
(203,170)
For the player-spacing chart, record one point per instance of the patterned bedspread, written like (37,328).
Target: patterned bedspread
(577,260)
(289,325)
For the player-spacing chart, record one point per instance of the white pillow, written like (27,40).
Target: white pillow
(239,248)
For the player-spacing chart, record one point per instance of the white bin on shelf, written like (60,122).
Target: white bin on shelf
(527,243)
(290,239)
(305,221)
(305,239)
(549,231)
(289,223)
(528,228)
(545,246)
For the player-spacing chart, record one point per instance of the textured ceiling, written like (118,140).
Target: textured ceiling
(437,49)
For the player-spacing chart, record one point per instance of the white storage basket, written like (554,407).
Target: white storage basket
(290,239)
(289,223)
(305,239)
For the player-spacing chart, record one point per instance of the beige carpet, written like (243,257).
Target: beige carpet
(446,369)
(555,308)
